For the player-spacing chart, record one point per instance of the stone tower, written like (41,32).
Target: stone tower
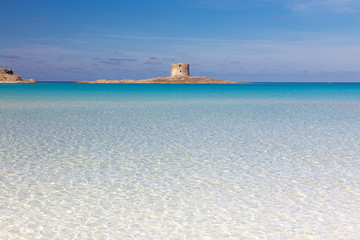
(180,70)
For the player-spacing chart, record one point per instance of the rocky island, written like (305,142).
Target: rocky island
(180,74)
(7,76)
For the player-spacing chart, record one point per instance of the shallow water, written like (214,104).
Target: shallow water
(272,161)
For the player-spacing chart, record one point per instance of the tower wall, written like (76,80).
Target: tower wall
(180,70)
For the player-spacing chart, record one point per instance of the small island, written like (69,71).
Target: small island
(7,76)
(180,74)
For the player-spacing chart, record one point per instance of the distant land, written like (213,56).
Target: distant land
(180,74)
(168,80)
(7,76)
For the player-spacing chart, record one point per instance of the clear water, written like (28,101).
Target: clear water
(265,161)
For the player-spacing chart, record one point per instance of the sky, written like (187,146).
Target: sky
(237,40)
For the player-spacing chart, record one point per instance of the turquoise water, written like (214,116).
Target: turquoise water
(96,92)
(264,161)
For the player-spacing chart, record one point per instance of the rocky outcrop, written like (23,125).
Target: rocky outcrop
(7,76)
(168,80)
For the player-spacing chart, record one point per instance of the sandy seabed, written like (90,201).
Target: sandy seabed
(180,169)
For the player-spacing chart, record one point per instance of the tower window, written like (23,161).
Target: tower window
(180,65)
(180,70)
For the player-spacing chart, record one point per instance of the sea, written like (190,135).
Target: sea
(133,161)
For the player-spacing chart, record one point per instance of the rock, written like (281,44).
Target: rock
(7,76)
(6,71)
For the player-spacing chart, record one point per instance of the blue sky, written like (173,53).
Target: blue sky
(249,40)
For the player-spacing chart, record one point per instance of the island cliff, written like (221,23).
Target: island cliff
(180,74)
(7,76)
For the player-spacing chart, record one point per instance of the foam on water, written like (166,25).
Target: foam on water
(179,162)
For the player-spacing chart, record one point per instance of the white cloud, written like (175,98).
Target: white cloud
(335,6)
(300,53)
(338,6)
(320,54)
(41,50)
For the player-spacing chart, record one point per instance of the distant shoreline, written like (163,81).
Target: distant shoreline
(239,83)
(166,80)
(50,82)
